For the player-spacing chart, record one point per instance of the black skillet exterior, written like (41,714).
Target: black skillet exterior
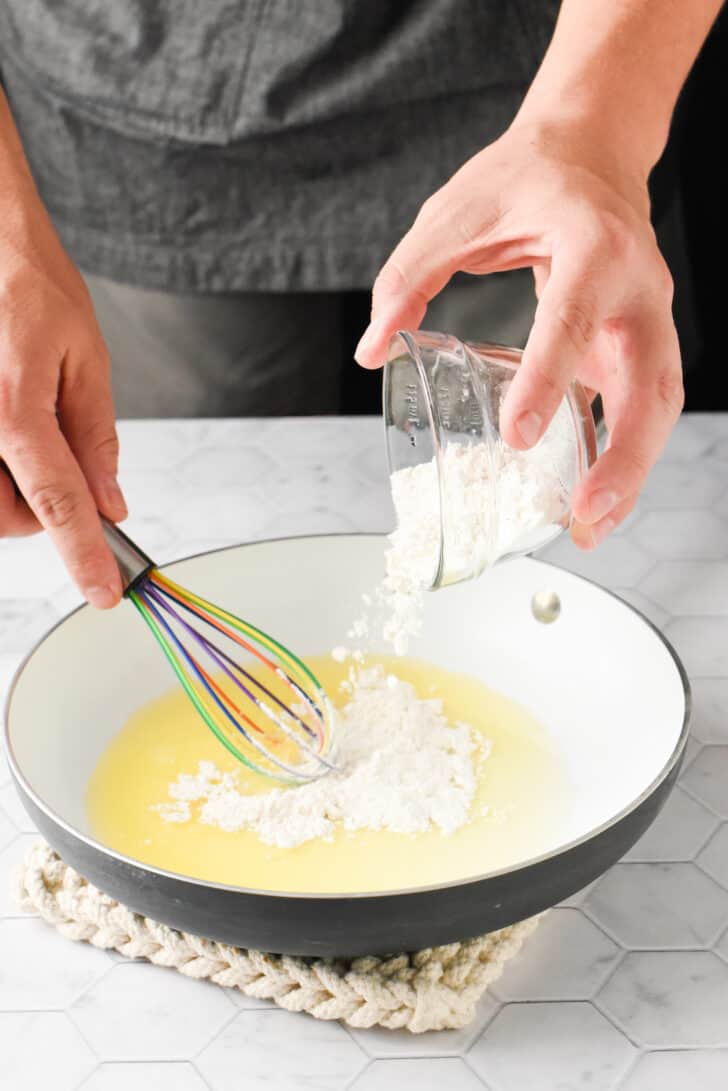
(355,926)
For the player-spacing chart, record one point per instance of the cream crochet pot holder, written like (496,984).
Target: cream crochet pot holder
(434,989)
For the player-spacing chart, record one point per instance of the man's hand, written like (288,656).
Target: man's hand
(57,431)
(604,311)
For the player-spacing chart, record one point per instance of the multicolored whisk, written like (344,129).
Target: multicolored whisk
(268,709)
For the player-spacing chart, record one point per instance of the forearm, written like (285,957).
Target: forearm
(619,65)
(19,200)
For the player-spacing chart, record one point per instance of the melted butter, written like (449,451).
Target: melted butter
(518,812)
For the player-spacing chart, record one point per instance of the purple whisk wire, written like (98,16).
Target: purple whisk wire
(164,606)
(221,658)
(156,604)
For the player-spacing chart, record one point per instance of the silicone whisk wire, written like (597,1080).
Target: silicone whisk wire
(256,742)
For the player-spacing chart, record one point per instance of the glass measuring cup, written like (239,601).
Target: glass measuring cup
(442,403)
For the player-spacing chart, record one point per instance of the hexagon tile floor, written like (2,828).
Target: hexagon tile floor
(624,987)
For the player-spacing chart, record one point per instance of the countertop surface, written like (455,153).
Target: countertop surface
(624,986)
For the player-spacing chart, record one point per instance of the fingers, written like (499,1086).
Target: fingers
(418,268)
(643,400)
(86,415)
(588,537)
(55,489)
(16,518)
(574,302)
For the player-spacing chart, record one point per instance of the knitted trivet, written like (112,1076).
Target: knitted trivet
(434,989)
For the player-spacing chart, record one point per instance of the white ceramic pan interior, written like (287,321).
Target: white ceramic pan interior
(600,678)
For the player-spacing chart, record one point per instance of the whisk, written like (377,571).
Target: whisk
(280,725)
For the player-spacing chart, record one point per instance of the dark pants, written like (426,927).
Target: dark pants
(266,354)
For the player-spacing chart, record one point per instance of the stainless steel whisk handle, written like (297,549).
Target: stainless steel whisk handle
(133,562)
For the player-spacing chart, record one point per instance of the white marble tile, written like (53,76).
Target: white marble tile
(682,535)
(680,830)
(650,609)
(368,516)
(151,492)
(702,644)
(670,998)
(13,809)
(8,666)
(709,719)
(692,749)
(334,439)
(143,1012)
(629,521)
(8,830)
(281,1049)
(152,445)
(22,623)
(721,947)
(677,1070)
(39,968)
(617,563)
(31,568)
(229,466)
(151,533)
(713,859)
(684,485)
(707,777)
(145,1076)
(695,588)
(66,599)
(237,515)
(418,1075)
(714,424)
(11,858)
(575,901)
(226,432)
(659,905)
(240,1000)
(40,1051)
(369,462)
(186,546)
(688,441)
(331,489)
(285,523)
(532,1047)
(4,772)
(567,958)
(380,1042)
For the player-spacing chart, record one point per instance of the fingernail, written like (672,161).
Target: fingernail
(114,497)
(602,530)
(101,597)
(365,343)
(528,426)
(601,503)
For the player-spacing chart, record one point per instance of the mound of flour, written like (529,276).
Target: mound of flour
(400,767)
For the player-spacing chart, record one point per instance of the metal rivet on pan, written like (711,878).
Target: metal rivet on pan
(546,606)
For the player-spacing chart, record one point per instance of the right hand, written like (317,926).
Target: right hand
(57,431)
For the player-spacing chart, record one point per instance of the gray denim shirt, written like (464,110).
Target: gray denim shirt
(272,145)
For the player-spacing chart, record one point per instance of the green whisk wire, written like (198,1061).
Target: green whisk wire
(163,605)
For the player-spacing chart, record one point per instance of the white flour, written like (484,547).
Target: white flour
(493,502)
(401,767)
